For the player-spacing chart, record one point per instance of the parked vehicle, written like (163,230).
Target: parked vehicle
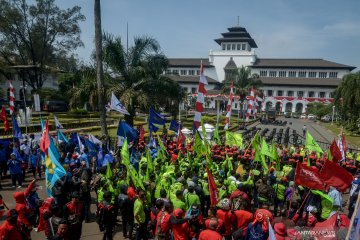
(311,117)
(303,116)
(271,114)
(55,106)
(287,114)
(326,118)
(296,115)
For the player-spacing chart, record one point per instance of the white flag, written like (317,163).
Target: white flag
(57,123)
(94,140)
(116,105)
(81,146)
(271,232)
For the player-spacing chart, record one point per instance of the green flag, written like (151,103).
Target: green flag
(326,203)
(274,156)
(149,165)
(311,144)
(216,135)
(199,147)
(230,166)
(161,144)
(125,153)
(256,141)
(234,139)
(265,149)
(109,172)
(261,158)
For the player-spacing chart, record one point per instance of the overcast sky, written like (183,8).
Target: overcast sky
(328,29)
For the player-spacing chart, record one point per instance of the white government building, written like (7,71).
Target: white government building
(288,84)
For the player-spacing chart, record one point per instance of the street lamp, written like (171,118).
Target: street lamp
(333,114)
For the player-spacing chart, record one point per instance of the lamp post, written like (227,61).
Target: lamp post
(333,114)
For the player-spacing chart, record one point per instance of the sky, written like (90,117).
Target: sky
(328,29)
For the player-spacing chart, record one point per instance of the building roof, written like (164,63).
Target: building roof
(230,64)
(189,62)
(191,79)
(298,63)
(237,34)
(321,82)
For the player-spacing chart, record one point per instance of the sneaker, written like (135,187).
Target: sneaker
(19,186)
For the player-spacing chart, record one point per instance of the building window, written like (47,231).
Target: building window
(238,46)
(228,46)
(333,74)
(198,72)
(243,46)
(175,72)
(300,93)
(168,72)
(282,73)
(290,93)
(263,73)
(302,74)
(292,74)
(311,94)
(235,105)
(272,73)
(223,46)
(233,46)
(183,72)
(193,90)
(269,93)
(321,94)
(191,72)
(280,93)
(322,74)
(312,74)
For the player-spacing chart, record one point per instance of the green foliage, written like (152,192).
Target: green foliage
(38,35)
(47,94)
(319,109)
(78,111)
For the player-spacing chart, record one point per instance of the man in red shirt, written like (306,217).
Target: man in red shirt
(210,234)
(242,218)
(10,230)
(163,224)
(181,231)
(74,213)
(226,216)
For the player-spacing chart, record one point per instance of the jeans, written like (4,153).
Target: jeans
(18,177)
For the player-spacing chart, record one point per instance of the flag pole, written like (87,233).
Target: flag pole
(356,209)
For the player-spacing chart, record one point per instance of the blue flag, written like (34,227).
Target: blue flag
(125,131)
(174,126)
(16,130)
(155,118)
(62,137)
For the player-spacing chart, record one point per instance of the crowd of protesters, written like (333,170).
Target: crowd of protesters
(164,193)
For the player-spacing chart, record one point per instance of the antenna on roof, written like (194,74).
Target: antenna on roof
(238,21)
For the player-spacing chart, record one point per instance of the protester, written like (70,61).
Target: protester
(10,230)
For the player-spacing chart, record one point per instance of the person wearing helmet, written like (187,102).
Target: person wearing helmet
(179,225)
(226,216)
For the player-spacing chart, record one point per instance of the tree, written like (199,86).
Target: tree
(347,100)
(319,109)
(40,36)
(242,84)
(139,73)
(99,67)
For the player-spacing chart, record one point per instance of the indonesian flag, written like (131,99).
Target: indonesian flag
(214,193)
(307,177)
(250,104)
(4,118)
(335,152)
(342,145)
(228,114)
(45,139)
(336,176)
(11,98)
(181,138)
(199,106)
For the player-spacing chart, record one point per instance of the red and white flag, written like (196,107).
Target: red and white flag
(199,106)
(228,114)
(214,192)
(4,119)
(11,99)
(342,145)
(181,138)
(250,104)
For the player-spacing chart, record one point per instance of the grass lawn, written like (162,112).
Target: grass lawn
(352,139)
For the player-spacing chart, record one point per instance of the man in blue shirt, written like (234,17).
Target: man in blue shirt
(14,165)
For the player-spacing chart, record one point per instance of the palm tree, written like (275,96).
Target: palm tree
(243,82)
(99,67)
(139,74)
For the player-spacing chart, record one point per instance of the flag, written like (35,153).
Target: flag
(109,172)
(61,137)
(125,131)
(16,130)
(57,123)
(4,119)
(214,193)
(181,138)
(275,156)
(125,154)
(307,177)
(311,144)
(116,105)
(149,165)
(199,147)
(199,106)
(258,157)
(256,141)
(342,145)
(11,98)
(234,139)
(354,228)
(142,133)
(228,114)
(336,176)
(155,118)
(265,149)
(335,152)
(216,135)
(81,145)
(250,107)
(94,140)
(174,126)
(271,231)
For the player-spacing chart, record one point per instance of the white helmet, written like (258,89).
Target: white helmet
(225,204)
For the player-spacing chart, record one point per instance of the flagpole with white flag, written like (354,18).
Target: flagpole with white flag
(271,231)
(57,123)
(116,105)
